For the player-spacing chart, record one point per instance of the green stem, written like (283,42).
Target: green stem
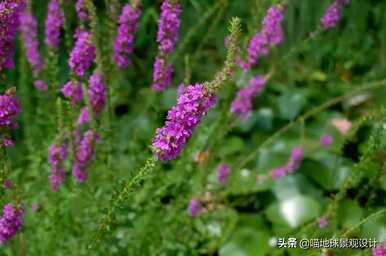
(119,198)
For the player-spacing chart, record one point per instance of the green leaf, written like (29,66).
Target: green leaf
(291,103)
(246,241)
(293,211)
(349,213)
(231,146)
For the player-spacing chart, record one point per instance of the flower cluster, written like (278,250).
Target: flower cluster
(169,24)
(73,90)
(242,104)
(223,171)
(292,164)
(29,31)
(9,108)
(40,85)
(195,207)
(192,106)
(81,10)
(10,222)
(56,156)
(162,74)
(322,221)
(54,23)
(124,42)
(379,250)
(326,140)
(10,12)
(84,156)
(271,33)
(333,14)
(97,93)
(83,53)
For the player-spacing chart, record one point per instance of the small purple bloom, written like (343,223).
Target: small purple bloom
(8,184)
(195,207)
(7,142)
(295,159)
(322,222)
(83,53)
(242,104)
(326,140)
(181,120)
(169,24)
(79,173)
(278,172)
(35,207)
(83,116)
(223,171)
(40,85)
(29,32)
(54,23)
(73,90)
(57,153)
(124,42)
(162,74)
(10,222)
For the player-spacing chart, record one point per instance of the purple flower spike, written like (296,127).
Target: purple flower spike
(270,34)
(97,93)
(124,42)
(295,159)
(10,12)
(195,207)
(54,24)
(83,53)
(333,14)
(29,32)
(223,171)
(169,24)
(84,155)
(81,10)
(56,156)
(162,74)
(192,105)
(9,108)
(10,222)
(242,104)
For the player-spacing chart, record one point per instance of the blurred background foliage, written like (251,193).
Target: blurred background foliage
(245,216)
